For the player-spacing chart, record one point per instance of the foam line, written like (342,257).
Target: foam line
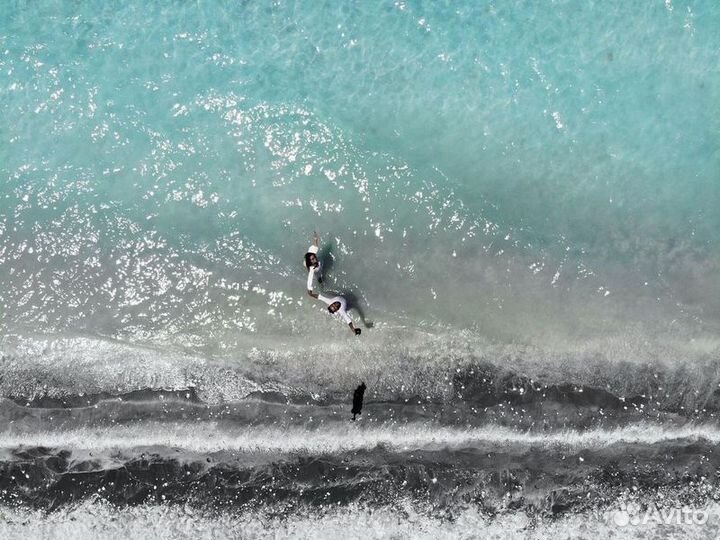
(207,438)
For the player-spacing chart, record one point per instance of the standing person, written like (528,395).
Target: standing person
(358,400)
(312,263)
(337,305)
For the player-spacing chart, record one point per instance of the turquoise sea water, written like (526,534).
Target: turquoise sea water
(535,184)
(471,164)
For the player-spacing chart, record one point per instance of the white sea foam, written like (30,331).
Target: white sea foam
(99,521)
(396,363)
(211,437)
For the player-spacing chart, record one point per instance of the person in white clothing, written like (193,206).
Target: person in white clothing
(338,305)
(312,263)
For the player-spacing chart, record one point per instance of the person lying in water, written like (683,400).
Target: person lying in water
(337,305)
(312,263)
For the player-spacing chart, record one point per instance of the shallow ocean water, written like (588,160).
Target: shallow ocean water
(523,196)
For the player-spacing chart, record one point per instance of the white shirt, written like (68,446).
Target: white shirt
(314,271)
(311,277)
(342,312)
